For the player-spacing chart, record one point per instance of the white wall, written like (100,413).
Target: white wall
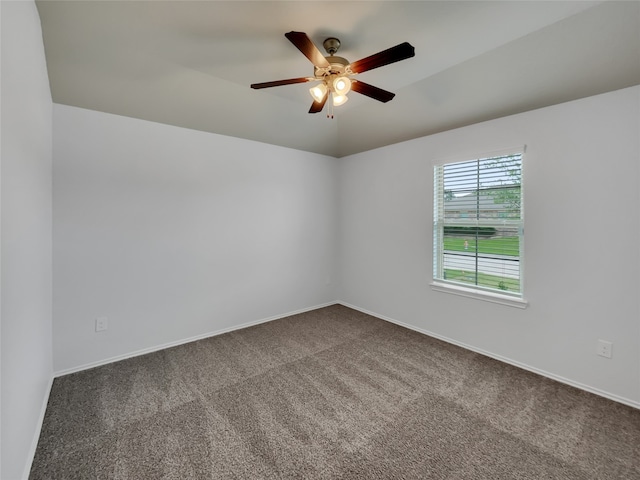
(582,275)
(25,171)
(174,233)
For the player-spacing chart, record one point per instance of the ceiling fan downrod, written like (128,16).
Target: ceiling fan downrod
(331,45)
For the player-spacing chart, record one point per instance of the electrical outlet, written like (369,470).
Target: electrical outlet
(102,323)
(604,348)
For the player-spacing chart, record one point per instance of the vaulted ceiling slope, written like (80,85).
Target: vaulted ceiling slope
(190,64)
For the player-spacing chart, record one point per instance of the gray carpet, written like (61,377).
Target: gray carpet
(331,393)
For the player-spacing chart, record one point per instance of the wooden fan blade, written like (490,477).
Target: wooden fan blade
(277,83)
(318,106)
(308,49)
(391,55)
(371,91)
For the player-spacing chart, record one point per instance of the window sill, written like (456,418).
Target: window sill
(479,295)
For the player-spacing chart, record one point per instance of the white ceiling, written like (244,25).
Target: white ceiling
(190,63)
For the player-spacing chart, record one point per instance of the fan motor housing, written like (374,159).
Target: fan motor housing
(337,66)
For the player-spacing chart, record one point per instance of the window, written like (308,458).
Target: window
(478,226)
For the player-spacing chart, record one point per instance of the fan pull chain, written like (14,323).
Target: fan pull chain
(330,108)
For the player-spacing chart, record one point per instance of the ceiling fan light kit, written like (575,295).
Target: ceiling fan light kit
(339,100)
(318,92)
(334,73)
(341,85)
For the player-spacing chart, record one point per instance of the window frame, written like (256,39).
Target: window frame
(469,290)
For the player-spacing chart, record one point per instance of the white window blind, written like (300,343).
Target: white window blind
(478,224)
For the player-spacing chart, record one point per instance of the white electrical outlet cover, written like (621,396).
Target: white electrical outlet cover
(102,323)
(604,348)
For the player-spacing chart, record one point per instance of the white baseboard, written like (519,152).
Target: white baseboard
(155,348)
(581,386)
(552,376)
(36,436)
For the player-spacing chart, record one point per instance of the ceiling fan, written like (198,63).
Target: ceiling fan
(335,73)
